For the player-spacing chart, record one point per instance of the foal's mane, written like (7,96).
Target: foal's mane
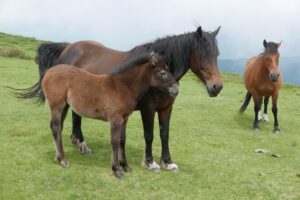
(177,50)
(133,61)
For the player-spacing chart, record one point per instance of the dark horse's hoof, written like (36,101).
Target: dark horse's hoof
(256,128)
(118,174)
(276,130)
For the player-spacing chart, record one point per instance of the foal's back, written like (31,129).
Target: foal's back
(83,91)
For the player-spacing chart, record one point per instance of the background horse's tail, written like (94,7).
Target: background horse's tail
(47,57)
(246,102)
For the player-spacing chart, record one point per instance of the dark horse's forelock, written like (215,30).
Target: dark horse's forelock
(271,48)
(177,50)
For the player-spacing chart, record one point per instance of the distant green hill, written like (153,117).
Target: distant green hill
(18,46)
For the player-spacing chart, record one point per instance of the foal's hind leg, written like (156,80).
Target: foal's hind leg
(77,136)
(56,126)
(274,110)
(122,154)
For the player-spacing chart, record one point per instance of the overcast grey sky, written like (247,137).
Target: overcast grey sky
(124,24)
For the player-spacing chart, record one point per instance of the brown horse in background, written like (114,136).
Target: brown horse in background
(195,50)
(262,79)
(110,98)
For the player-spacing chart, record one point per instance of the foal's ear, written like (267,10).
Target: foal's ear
(265,43)
(199,31)
(279,44)
(153,58)
(215,33)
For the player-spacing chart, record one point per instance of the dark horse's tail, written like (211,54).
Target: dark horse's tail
(246,102)
(47,57)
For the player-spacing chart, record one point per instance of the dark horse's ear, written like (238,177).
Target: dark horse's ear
(199,31)
(215,33)
(153,58)
(265,43)
(279,44)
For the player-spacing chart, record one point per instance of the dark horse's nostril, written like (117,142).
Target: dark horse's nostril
(217,87)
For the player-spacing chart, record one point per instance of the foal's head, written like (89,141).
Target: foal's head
(204,60)
(160,77)
(271,59)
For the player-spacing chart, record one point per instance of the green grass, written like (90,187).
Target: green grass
(210,141)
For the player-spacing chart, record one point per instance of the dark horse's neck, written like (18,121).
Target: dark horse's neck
(176,50)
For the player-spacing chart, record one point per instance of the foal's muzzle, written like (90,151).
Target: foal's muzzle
(173,90)
(274,76)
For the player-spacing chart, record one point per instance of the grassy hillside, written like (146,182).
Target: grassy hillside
(210,141)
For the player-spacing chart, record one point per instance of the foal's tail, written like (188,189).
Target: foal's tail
(246,102)
(47,57)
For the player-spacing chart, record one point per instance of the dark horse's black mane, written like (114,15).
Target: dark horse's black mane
(177,50)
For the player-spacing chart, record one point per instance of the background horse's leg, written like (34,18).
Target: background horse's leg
(164,124)
(77,136)
(257,103)
(122,154)
(148,123)
(56,127)
(274,110)
(266,101)
(115,131)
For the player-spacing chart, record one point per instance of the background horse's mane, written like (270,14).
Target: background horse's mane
(177,50)
(133,61)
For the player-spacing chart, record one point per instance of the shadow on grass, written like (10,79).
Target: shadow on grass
(101,154)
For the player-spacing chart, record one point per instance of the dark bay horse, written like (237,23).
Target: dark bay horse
(262,79)
(110,98)
(197,51)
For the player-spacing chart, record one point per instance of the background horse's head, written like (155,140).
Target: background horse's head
(161,78)
(271,59)
(204,60)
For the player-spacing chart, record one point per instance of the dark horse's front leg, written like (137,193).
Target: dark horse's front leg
(257,106)
(164,124)
(148,123)
(77,136)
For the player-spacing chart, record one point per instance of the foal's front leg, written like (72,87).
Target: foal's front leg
(115,131)
(122,154)
(77,136)
(274,110)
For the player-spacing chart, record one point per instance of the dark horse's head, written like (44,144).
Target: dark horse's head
(271,59)
(203,61)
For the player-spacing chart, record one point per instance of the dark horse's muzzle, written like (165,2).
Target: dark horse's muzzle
(274,76)
(173,90)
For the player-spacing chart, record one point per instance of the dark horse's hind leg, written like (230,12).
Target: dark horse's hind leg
(122,154)
(164,124)
(274,110)
(56,125)
(148,123)
(77,136)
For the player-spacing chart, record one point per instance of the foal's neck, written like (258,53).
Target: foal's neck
(136,80)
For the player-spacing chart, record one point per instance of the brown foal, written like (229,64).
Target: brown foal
(110,98)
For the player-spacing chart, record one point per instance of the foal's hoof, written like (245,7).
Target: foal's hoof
(169,166)
(127,169)
(118,174)
(151,166)
(64,163)
(84,150)
(276,130)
